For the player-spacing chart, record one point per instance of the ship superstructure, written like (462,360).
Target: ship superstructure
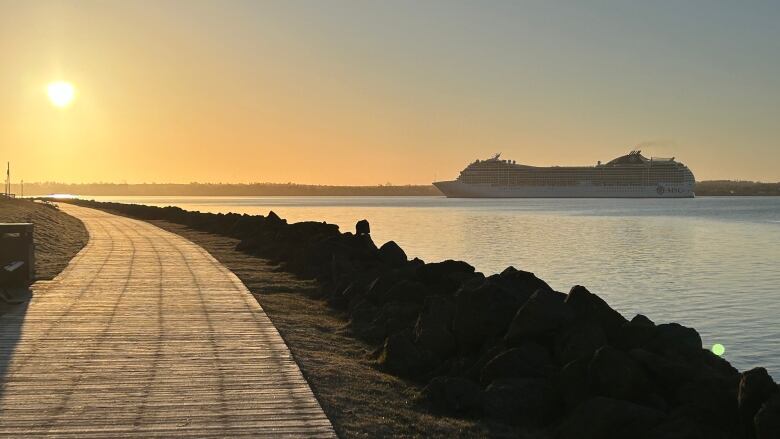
(630,176)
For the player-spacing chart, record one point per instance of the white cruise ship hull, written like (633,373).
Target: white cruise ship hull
(458,189)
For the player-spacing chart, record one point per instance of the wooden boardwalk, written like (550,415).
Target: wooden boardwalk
(145,334)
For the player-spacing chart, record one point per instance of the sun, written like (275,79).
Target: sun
(61,93)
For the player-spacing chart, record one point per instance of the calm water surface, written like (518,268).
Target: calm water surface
(710,263)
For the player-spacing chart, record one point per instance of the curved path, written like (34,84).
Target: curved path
(145,334)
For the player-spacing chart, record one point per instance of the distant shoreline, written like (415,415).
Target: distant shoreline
(703,188)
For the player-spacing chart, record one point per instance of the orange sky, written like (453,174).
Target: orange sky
(399,92)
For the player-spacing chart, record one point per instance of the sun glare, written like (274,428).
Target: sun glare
(61,93)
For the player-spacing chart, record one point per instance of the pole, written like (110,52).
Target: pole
(21,188)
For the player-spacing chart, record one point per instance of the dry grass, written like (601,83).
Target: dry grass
(58,236)
(360,400)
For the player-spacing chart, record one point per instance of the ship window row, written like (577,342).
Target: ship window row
(574,178)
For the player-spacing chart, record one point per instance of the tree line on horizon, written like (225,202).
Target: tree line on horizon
(703,188)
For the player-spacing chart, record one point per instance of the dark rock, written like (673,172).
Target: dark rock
(529,401)
(589,306)
(755,388)
(401,356)
(710,402)
(642,320)
(481,313)
(406,291)
(578,340)
(432,330)
(606,418)
(634,334)
(668,373)
(362,227)
(572,383)
(274,219)
(543,312)
(520,283)
(767,420)
(675,339)
(391,254)
(529,360)
(614,374)
(454,395)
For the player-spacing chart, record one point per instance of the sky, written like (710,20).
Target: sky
(375,92)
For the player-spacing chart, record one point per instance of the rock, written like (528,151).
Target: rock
(642,320)
(530,401)
(711,401)
(391,254)
(767,420)
(445,277)
(454,395)
(273,219)
(675,339)
(634,334)
(542,313)
(572,383)
(614,374)
(667,373)
(432,330)
(578,340)
(400,356)
(755,388)
(362,227)
(406,291)
(520,283)
(481,313)
(606,418)
(529,360)
(589,306)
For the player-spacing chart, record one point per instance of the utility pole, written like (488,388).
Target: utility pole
(21,188)
(8,179)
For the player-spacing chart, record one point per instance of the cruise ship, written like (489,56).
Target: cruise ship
(630,176)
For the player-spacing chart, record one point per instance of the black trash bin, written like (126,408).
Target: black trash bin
(17,255)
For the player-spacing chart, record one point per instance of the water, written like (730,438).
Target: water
(709,262)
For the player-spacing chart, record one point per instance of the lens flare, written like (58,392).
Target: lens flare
(718,349)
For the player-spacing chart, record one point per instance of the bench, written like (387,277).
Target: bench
(17,256)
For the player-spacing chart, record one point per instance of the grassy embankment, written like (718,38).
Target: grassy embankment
(58,236)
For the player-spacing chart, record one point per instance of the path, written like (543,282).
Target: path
(145,334)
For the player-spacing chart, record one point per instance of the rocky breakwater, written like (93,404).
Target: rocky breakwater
(507,346)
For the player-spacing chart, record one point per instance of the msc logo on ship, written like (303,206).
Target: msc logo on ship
(660,190)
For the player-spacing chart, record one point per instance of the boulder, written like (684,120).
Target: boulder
(578,340)
(614,374)
(542,313)
(529,360)
(520,283)
(634,334)
(755,388)
(672,339)
(530,401)
(667,373)
(481,313)
(454,395)
(589,306)
(405,291)
(433,328)
(362,227)
(712,402)
(401,356)
(767,420)
(606,418)
(572,383)
(391,254)
(445,277)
